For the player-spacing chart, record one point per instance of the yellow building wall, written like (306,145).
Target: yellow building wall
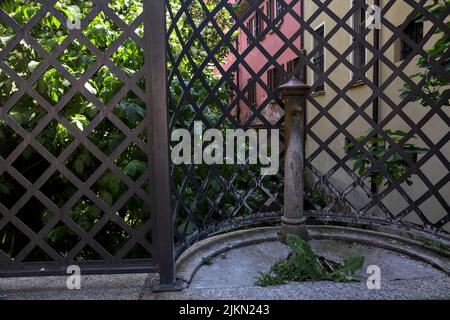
(341,111)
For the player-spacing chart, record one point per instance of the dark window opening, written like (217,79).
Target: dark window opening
(414,31)
(279,7)
(251,93)
(319,59)
(274,80)
(359,29)
(251,31)
(270,9)
(258,29)
(294,70)
(271,79)
(292,65)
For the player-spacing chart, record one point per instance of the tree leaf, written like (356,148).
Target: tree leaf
(32,65)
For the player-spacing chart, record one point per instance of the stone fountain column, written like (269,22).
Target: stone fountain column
(293,220)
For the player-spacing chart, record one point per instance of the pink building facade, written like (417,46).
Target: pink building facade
(263,97)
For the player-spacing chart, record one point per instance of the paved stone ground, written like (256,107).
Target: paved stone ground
(98,287)
(232,276)
(233,273)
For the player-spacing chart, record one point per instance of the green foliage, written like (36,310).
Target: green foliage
(5,186)
(397,164)
(320,197)
(436,85)
(303,265)
(223,201)
(79,112)
(198,54)
(77,59)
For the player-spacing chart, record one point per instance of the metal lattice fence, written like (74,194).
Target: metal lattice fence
(352,70)
(75,136)
(417,197)
(78,131)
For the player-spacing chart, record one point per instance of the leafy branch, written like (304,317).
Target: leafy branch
(377,147)
(436,83)
(303,265)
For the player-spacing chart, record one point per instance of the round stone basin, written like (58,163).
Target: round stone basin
(232,268)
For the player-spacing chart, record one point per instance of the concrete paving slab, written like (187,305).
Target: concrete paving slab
(93,287)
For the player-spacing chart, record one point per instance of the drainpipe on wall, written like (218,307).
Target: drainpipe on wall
(303,69)
(302,34)
(376,82)
(238,85)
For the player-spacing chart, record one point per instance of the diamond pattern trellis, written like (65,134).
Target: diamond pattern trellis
(63,196)
(28,59)
(212,198)
(394,110)
(79,126)
(214,195)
